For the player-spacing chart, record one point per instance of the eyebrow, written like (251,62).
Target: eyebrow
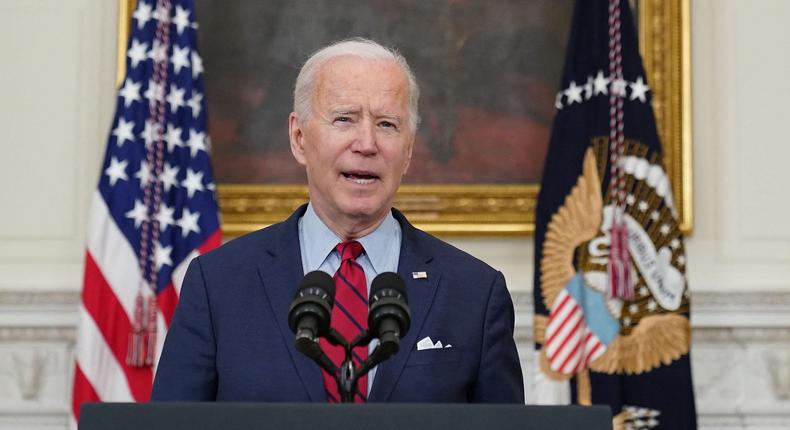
(390,116)
(349,110)
(346,110)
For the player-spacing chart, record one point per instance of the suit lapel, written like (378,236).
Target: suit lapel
(280,272)
(414,257)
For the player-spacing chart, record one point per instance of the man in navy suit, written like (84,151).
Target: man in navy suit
(353,128)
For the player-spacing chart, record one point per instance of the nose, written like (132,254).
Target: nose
(365,142)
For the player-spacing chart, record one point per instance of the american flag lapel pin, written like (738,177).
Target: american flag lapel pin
(419,275)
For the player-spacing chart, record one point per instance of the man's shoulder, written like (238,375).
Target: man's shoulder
(248,246)
(254,245)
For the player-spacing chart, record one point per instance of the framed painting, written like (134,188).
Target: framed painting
(486,112)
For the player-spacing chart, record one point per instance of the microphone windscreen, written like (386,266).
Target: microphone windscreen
(312,303)
(389,280)
(388,304)
(319,279)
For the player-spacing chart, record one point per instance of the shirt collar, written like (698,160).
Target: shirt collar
(378,244)
(382,245)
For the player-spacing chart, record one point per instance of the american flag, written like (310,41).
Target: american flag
(153,211)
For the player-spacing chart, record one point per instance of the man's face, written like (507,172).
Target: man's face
(356,144)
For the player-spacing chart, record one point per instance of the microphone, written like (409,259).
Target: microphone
(311,310)
(389,316)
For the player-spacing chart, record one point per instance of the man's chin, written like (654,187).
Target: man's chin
(365,209)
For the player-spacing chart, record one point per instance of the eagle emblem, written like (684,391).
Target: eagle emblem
(587,327)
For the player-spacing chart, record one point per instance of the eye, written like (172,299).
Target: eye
(387,124)
(342,119)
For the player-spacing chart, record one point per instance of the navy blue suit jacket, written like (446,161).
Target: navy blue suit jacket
(229,338)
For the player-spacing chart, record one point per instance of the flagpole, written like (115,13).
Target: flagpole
(124,21)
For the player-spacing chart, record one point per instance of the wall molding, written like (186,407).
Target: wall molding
(730,420)
(758,309)
(763,309)
(38,312)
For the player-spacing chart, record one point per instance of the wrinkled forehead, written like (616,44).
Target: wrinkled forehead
(355,75)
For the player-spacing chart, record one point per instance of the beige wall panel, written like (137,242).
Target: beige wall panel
(56,103)
(741,240)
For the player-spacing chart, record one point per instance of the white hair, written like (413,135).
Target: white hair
(356,47)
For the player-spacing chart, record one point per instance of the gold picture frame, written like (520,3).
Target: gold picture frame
(503,210)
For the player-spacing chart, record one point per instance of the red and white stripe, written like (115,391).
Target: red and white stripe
(111,282)
(570,344)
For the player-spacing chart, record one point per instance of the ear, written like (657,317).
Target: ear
(409,149)
(296,135)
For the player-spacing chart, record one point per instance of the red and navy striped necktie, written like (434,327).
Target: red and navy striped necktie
(349,316)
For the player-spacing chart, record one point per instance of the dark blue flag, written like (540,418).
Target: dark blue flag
(611,297)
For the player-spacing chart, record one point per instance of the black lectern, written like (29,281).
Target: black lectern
(231,416)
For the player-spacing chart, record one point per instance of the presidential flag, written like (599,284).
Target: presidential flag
(154,208)
(611,297)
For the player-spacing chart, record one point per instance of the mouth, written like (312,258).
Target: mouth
(360,177)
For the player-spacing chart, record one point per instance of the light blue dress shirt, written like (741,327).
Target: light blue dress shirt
(382,251)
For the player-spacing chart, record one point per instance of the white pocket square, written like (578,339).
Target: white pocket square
(427,343)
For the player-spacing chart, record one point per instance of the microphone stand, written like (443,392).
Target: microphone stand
(347,375)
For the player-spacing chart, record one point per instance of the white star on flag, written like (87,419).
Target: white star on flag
(573,93)
(116,170)
(600,84)
(639,90)
(193,182)
(163,256)
(130,92)
(123,131)
(142,14)
(137,52)
(194,103)
(180,58)
(138,214)
(197,142)
(181,19)
(175,98)
(197,65)
(558,100)
(164,216)
(655,215)
(189,222)
(173,137)
(168,176)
